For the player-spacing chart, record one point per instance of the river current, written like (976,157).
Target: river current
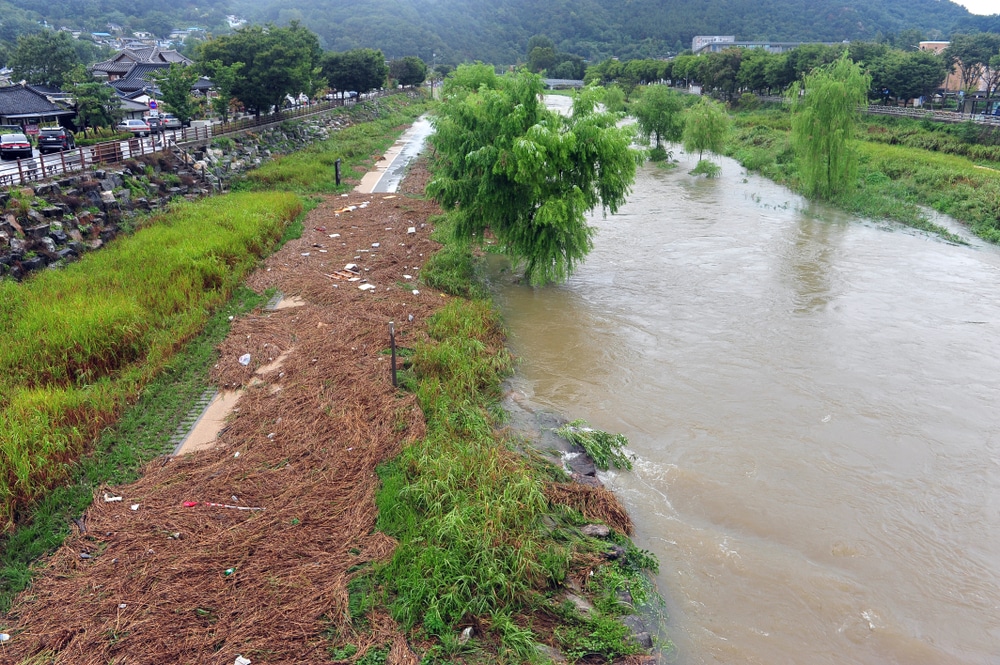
(813,402)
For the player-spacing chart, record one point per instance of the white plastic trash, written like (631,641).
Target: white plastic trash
(240,660)
(245,359)
(366,287)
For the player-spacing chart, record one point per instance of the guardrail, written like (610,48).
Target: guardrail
(909,112)
(32,169)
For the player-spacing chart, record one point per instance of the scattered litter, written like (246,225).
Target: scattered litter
(108,498)
(386,198)
(231,318)
(407,276)
(410,317)
(352,267)
(321,229)
(245,359)
(84,555)
(176,535)
(415,292)
(305,253)
(364,205)
(4,637)
(228,571)
(271,435)
(134,506)
(240,660)
(236,454)
(322,251)
(192,504)
(375,245)
(366,287)
(412,229)
(826,419)
(122,606)
(334,235)
(343,196)
(388,228)
(465,636)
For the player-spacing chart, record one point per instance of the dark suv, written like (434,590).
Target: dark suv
(54,139)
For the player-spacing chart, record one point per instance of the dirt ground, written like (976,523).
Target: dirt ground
(285,500)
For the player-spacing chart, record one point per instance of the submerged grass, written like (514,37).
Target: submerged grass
(894,181)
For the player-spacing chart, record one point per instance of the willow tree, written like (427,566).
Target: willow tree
(824,115)
(706,127)
(508,166)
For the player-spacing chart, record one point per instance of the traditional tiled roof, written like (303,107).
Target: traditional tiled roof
(138,77)
(21,101)
(126,58)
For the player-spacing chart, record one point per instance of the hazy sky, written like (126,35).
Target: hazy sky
(980,6)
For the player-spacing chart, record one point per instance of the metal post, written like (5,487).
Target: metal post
(336,168)
(392,346)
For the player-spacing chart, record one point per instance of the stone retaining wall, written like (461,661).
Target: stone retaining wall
(57,221)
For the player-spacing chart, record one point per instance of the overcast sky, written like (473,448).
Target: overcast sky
(980,6)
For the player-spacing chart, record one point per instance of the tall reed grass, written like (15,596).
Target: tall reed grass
(80,343)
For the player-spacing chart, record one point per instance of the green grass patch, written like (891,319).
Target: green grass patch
(82,342)
(473,525)
(894,181)
(312,169)
(119,454)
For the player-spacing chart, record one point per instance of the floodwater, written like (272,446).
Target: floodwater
(814,401)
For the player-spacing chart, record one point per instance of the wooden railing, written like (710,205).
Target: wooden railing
(31,169)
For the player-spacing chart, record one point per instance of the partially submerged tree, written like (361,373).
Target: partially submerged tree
(824,115)
(510,167)
(706,127)
(659,112)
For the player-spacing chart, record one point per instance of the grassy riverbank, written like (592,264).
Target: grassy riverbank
(109,339)
(894,181)
(486,561)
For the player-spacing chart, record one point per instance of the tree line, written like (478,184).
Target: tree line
(255,67)
(896,73)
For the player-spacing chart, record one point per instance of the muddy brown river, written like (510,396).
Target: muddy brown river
(814,401)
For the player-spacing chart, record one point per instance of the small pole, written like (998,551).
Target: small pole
(336,168)
(392,346)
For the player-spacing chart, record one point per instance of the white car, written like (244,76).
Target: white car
(137,127)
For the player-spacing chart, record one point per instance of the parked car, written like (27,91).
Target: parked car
(137,127)
(14,146)
(55,139)
(11,129)
(170,121)
(155,123)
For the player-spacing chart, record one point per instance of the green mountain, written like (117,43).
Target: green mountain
(498,30)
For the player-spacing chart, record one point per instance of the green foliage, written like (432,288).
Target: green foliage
(97,104)
(359,70)
(141,434)
(408,71)
(313,168)
(276,62)
(706,168)
(175,87)
(605,449)
(81,341)
(824,116)
(529,176)
(601,636)
(44,58)
(224,77)
(706,127)
(660,114)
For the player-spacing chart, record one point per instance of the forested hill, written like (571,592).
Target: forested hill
(497,31)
